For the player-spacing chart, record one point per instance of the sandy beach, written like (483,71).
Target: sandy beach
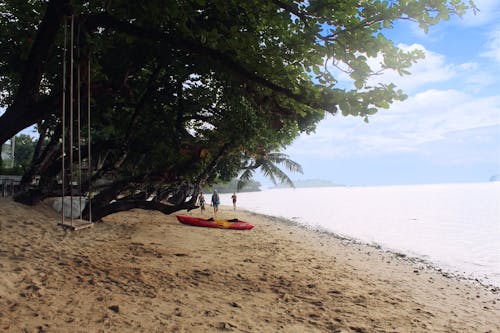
(143,271)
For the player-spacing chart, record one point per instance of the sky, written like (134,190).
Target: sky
(447,131)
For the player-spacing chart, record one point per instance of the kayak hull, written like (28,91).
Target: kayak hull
(221,224)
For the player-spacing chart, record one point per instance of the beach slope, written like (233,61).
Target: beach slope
(143,271)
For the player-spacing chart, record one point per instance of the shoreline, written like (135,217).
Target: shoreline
(447,272)
(143,271)
(451,228)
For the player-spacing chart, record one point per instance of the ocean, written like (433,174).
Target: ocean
(455,227)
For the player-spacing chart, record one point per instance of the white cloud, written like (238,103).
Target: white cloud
(468,66)
(475,81)
(431,69)
(493,45)
(488,12)
(429,117)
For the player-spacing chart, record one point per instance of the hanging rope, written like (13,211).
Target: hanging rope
(71,120)
(89,161)
(63,121)
(79,145)
(74,47)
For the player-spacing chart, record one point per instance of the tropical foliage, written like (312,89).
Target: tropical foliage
(186,92)
(268,164)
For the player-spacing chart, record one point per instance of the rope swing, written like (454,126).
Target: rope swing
(73,223)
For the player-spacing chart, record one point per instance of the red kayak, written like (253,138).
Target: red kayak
(223,224)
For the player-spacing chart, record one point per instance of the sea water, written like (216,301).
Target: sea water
(454,226)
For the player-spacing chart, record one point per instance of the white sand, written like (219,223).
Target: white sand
(143,271)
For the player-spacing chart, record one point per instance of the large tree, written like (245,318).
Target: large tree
(184,92)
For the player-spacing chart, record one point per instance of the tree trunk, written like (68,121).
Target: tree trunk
(22,113)
(119,206)
(42,161)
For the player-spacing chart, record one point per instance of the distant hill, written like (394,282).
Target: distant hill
(310,183)
(494,178)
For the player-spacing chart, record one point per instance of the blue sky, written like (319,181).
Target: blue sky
(447,131)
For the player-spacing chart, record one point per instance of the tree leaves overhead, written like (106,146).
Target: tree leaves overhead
(184,92)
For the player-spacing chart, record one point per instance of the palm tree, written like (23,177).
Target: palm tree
(267,163)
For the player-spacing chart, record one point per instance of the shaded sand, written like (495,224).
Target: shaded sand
(143,271)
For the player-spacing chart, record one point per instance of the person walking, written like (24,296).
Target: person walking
(201,200)
(233,197)
(215,203)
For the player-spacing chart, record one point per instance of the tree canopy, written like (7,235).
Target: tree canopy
(186,92)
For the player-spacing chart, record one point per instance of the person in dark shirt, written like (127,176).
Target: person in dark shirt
(215,202)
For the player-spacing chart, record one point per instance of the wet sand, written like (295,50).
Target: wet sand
(142,271)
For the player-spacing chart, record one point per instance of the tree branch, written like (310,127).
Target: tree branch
(176,41)
(16,116)
(292,10)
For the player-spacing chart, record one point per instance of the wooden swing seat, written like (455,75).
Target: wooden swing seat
(76,224)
